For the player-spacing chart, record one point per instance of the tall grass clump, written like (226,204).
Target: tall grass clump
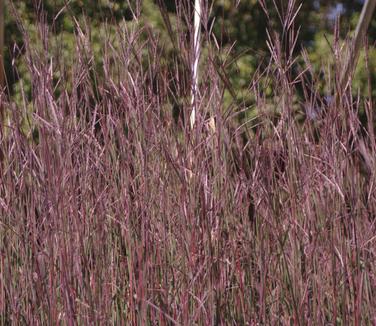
(115,211)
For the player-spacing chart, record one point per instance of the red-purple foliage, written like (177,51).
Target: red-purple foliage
(113,211)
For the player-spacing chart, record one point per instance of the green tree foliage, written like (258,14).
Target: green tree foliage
(240,25)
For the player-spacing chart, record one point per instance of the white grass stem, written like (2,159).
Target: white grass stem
(196,58)
(360,32)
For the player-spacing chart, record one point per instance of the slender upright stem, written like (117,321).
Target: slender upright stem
(360,32)
(2,77)
(196,57)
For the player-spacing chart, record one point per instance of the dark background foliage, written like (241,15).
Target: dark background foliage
(115,210)
(243,23)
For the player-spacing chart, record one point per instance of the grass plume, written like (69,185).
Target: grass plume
(113,211)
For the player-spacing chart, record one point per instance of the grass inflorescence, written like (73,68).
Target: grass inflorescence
(115,211)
